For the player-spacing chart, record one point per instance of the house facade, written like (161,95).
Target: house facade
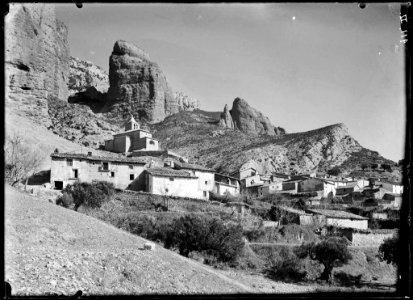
(170,182)
(206,176)
(68,168)
(392,187)
(133,138)
(339,218)
(244,173)
(226,184)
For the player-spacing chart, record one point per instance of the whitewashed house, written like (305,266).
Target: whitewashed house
(68,168)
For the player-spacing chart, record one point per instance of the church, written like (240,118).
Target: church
(135,137)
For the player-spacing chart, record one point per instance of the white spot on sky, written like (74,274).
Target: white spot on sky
(379,52)
(293,18)
(91,52)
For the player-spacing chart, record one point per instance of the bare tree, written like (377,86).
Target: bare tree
(22,161)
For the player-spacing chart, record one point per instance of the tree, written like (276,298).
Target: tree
(388,250)
(21,161)
(331,252)
(374,166)
(334,171)
(364,166)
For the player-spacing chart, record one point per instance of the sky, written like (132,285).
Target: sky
(303,65)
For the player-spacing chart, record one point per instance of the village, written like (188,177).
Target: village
(353,203)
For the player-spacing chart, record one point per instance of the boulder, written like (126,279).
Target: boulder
(137,86)
(226,119)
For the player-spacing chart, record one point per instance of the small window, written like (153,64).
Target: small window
(106,166)
(132,176)
(69,162)
(75,173)
(205,193)
(206,181)
(151,142)
(112,174)
(171,179)
(130,166)
(166,190)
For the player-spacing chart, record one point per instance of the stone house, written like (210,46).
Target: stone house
(254,180)
(226,184)
(244,173)
(170,182)
(133,138)
(396,199)
(391,186)
(68,168)
(338,218)
(206,176)
(270,188)
(296,216)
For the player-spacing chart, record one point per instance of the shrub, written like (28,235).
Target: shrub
(196,233)
(347,279)
(334,171)
(65,200)
(255,234)
(287,267)
(91,195)
(388,250)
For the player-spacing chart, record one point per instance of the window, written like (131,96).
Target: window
(106,166)
(151,142)
(166,190)
(171,179)
(132,176)
(130,166)
(112,174)
(205,193)
(69,162)
(75,173)
(206,181)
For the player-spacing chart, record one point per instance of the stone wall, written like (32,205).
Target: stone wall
(372,239)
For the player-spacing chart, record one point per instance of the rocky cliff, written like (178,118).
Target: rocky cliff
(85,75)
(36,58)
(186,102)
(137,86)
(247,119)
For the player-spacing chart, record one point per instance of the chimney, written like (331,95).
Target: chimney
(89,153)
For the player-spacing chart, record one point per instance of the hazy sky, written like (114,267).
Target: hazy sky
(303,65)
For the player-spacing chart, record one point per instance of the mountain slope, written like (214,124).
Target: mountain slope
(227,150)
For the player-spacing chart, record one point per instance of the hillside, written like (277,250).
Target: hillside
(227,150)
(53,250)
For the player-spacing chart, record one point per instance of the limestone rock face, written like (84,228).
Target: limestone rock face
(84,75)
(36,57)
(137,86)
(249,120)
(226,119)
(186,103)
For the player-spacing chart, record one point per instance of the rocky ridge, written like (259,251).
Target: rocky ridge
(227,150)
(36,58)
(137,86)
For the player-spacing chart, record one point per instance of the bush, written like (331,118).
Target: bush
(195,233)
(347,279)
(255,235)
(91,195)
(65,200)
(287,267)
(389,250)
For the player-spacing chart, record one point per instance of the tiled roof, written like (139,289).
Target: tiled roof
(338,214)
(168,172)
(186,166)
(97,158)
(391,182)
(293,210)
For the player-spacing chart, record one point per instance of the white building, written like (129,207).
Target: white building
(225,184)
(170,182)
(392,187)
(68,168)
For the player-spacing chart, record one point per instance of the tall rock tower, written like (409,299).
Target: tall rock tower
(137,86)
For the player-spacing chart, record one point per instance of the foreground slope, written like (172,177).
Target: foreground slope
(49,249)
